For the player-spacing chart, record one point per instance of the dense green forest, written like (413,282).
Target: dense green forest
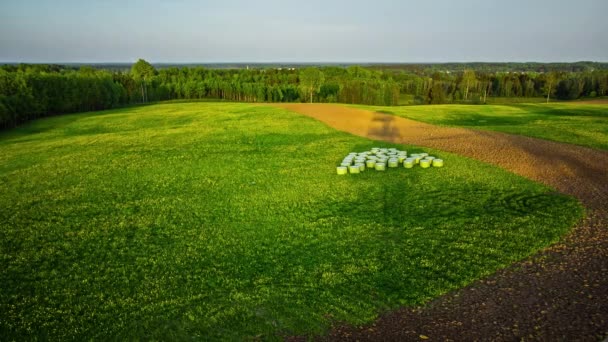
(32,91)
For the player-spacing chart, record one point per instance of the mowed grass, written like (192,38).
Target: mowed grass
(574,123)
(227,221)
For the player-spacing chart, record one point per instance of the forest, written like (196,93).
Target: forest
(32,91)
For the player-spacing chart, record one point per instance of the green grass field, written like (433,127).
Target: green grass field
(580,124)
(228,221)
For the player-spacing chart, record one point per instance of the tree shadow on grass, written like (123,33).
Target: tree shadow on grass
(541,109)
(382,127)
(28,131)
(477,120)
(576,173)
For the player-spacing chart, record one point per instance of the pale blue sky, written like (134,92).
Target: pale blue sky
(303,31)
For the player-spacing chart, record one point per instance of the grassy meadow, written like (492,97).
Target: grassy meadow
(574,123)
(228,221)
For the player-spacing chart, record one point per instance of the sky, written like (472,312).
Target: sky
(223,31)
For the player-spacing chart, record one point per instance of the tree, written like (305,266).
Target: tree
(329,92)
(486,85)
(602,84)
(311,80)
(569,89)
(468,79)
(550,81)
(436,94)
(141,71)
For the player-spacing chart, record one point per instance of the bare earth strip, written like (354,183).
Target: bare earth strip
(559,294)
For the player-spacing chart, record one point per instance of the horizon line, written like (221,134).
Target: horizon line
(312,63)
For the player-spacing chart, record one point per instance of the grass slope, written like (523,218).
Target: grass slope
(228,221)
(580,124)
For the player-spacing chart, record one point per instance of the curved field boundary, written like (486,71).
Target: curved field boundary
(561,293)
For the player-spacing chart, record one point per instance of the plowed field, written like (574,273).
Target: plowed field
(561,293)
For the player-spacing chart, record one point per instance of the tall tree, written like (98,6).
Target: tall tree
(550,81)
(486,84)
(468,80)
(311,80)
(142,71)
(602,84)
(436,94)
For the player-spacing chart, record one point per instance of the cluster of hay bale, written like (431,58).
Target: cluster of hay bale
(381,158)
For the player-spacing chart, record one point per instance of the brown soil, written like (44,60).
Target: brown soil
(558,294)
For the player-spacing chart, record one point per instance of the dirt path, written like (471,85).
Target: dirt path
(559,294)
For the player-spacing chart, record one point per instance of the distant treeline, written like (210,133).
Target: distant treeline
(416,68)
(470,86)
(32,91)
(492,67)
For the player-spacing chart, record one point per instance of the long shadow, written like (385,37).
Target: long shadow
(598,111)
(586,175)
(59,121)
(382,126)
(473,120)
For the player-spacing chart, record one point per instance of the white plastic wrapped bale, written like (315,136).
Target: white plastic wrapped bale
(380,167)
(425,163)
(437,162)
(354,169)
(342,170)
